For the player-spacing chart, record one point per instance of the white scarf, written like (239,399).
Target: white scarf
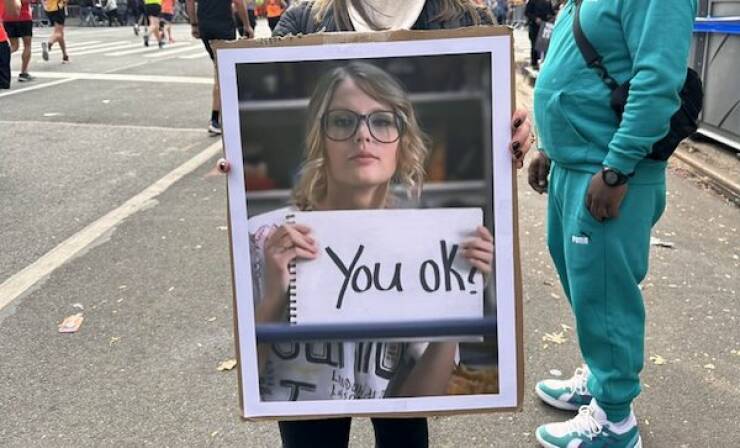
(387,14)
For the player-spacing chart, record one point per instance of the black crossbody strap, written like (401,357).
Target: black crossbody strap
(592,57)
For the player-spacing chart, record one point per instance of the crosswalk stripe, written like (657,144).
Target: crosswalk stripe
(75,46)
(101,50)
(197,55)
(37,44)
(152,48)
(73,50)
(165,53)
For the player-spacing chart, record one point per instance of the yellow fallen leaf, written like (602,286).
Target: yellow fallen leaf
(227,365)
(557,338)
(658,360)
(709,366)
(113,340)
(566,327)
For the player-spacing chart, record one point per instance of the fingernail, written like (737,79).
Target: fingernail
(517,122)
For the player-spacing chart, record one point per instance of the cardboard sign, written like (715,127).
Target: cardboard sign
(388,265)
(385,271)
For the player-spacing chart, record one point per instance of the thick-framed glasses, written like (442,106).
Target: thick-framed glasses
(341,124)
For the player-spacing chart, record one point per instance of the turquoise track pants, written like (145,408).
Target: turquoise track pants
(601,265)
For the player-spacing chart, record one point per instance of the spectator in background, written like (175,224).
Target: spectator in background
(537,12)
(501,11)
(275,9)
(20,26)
(111,11)
(214,20)
(604,195)
(250,15)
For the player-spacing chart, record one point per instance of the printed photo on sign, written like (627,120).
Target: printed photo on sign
(372,224)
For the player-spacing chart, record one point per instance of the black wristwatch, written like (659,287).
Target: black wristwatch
(613,178)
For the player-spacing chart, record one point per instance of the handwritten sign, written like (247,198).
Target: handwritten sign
(388,266)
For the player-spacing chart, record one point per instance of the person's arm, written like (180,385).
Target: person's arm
(12,7)
(192,14)
(241,10)
(432,371)
(650,28)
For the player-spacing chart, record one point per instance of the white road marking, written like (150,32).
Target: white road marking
(84,51)
(199,54)
(124,77)
(165,53)
(132,127)
(36,87)
(36,48)
(143,49)
(52,260)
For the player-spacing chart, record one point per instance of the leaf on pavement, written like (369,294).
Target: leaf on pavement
(709,366)
(658,360)
(557,338)
(71,324)
(227,365)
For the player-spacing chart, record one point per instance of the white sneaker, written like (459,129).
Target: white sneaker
(568,394)
(590,429)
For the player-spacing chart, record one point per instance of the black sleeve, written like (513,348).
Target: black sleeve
(529,11)
(296,20)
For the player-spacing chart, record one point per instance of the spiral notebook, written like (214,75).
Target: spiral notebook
(386,266)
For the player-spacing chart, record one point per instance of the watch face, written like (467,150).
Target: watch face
(611,178)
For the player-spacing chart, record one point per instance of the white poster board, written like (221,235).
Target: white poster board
(246,106)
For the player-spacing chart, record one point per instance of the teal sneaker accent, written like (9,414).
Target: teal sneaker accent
(569,394)
(590,429)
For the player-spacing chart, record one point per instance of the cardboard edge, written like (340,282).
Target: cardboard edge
(518,284)
(354,37)
(272,418)
(390,36)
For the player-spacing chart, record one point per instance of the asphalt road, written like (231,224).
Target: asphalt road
(154,281)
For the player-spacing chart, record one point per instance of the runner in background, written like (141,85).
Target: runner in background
(20,26)
(13,7)
(140,16)
(275,9)
(214,20)
(165,24)
(55,11)
(152,10)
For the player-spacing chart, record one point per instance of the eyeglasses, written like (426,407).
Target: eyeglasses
(340,125)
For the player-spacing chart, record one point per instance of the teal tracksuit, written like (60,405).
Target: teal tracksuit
(601,263)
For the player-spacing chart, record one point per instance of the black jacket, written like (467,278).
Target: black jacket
(299,19)
(541,9)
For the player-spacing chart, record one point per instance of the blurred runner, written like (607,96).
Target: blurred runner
(56,12)
(165,24)
(152,10)
(20,26)
(214,20)
(12,7)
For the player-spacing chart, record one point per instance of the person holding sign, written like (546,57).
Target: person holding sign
(362,134)
(310,17)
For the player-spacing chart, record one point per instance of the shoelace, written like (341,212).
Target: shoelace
(579,381)
(585,423)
